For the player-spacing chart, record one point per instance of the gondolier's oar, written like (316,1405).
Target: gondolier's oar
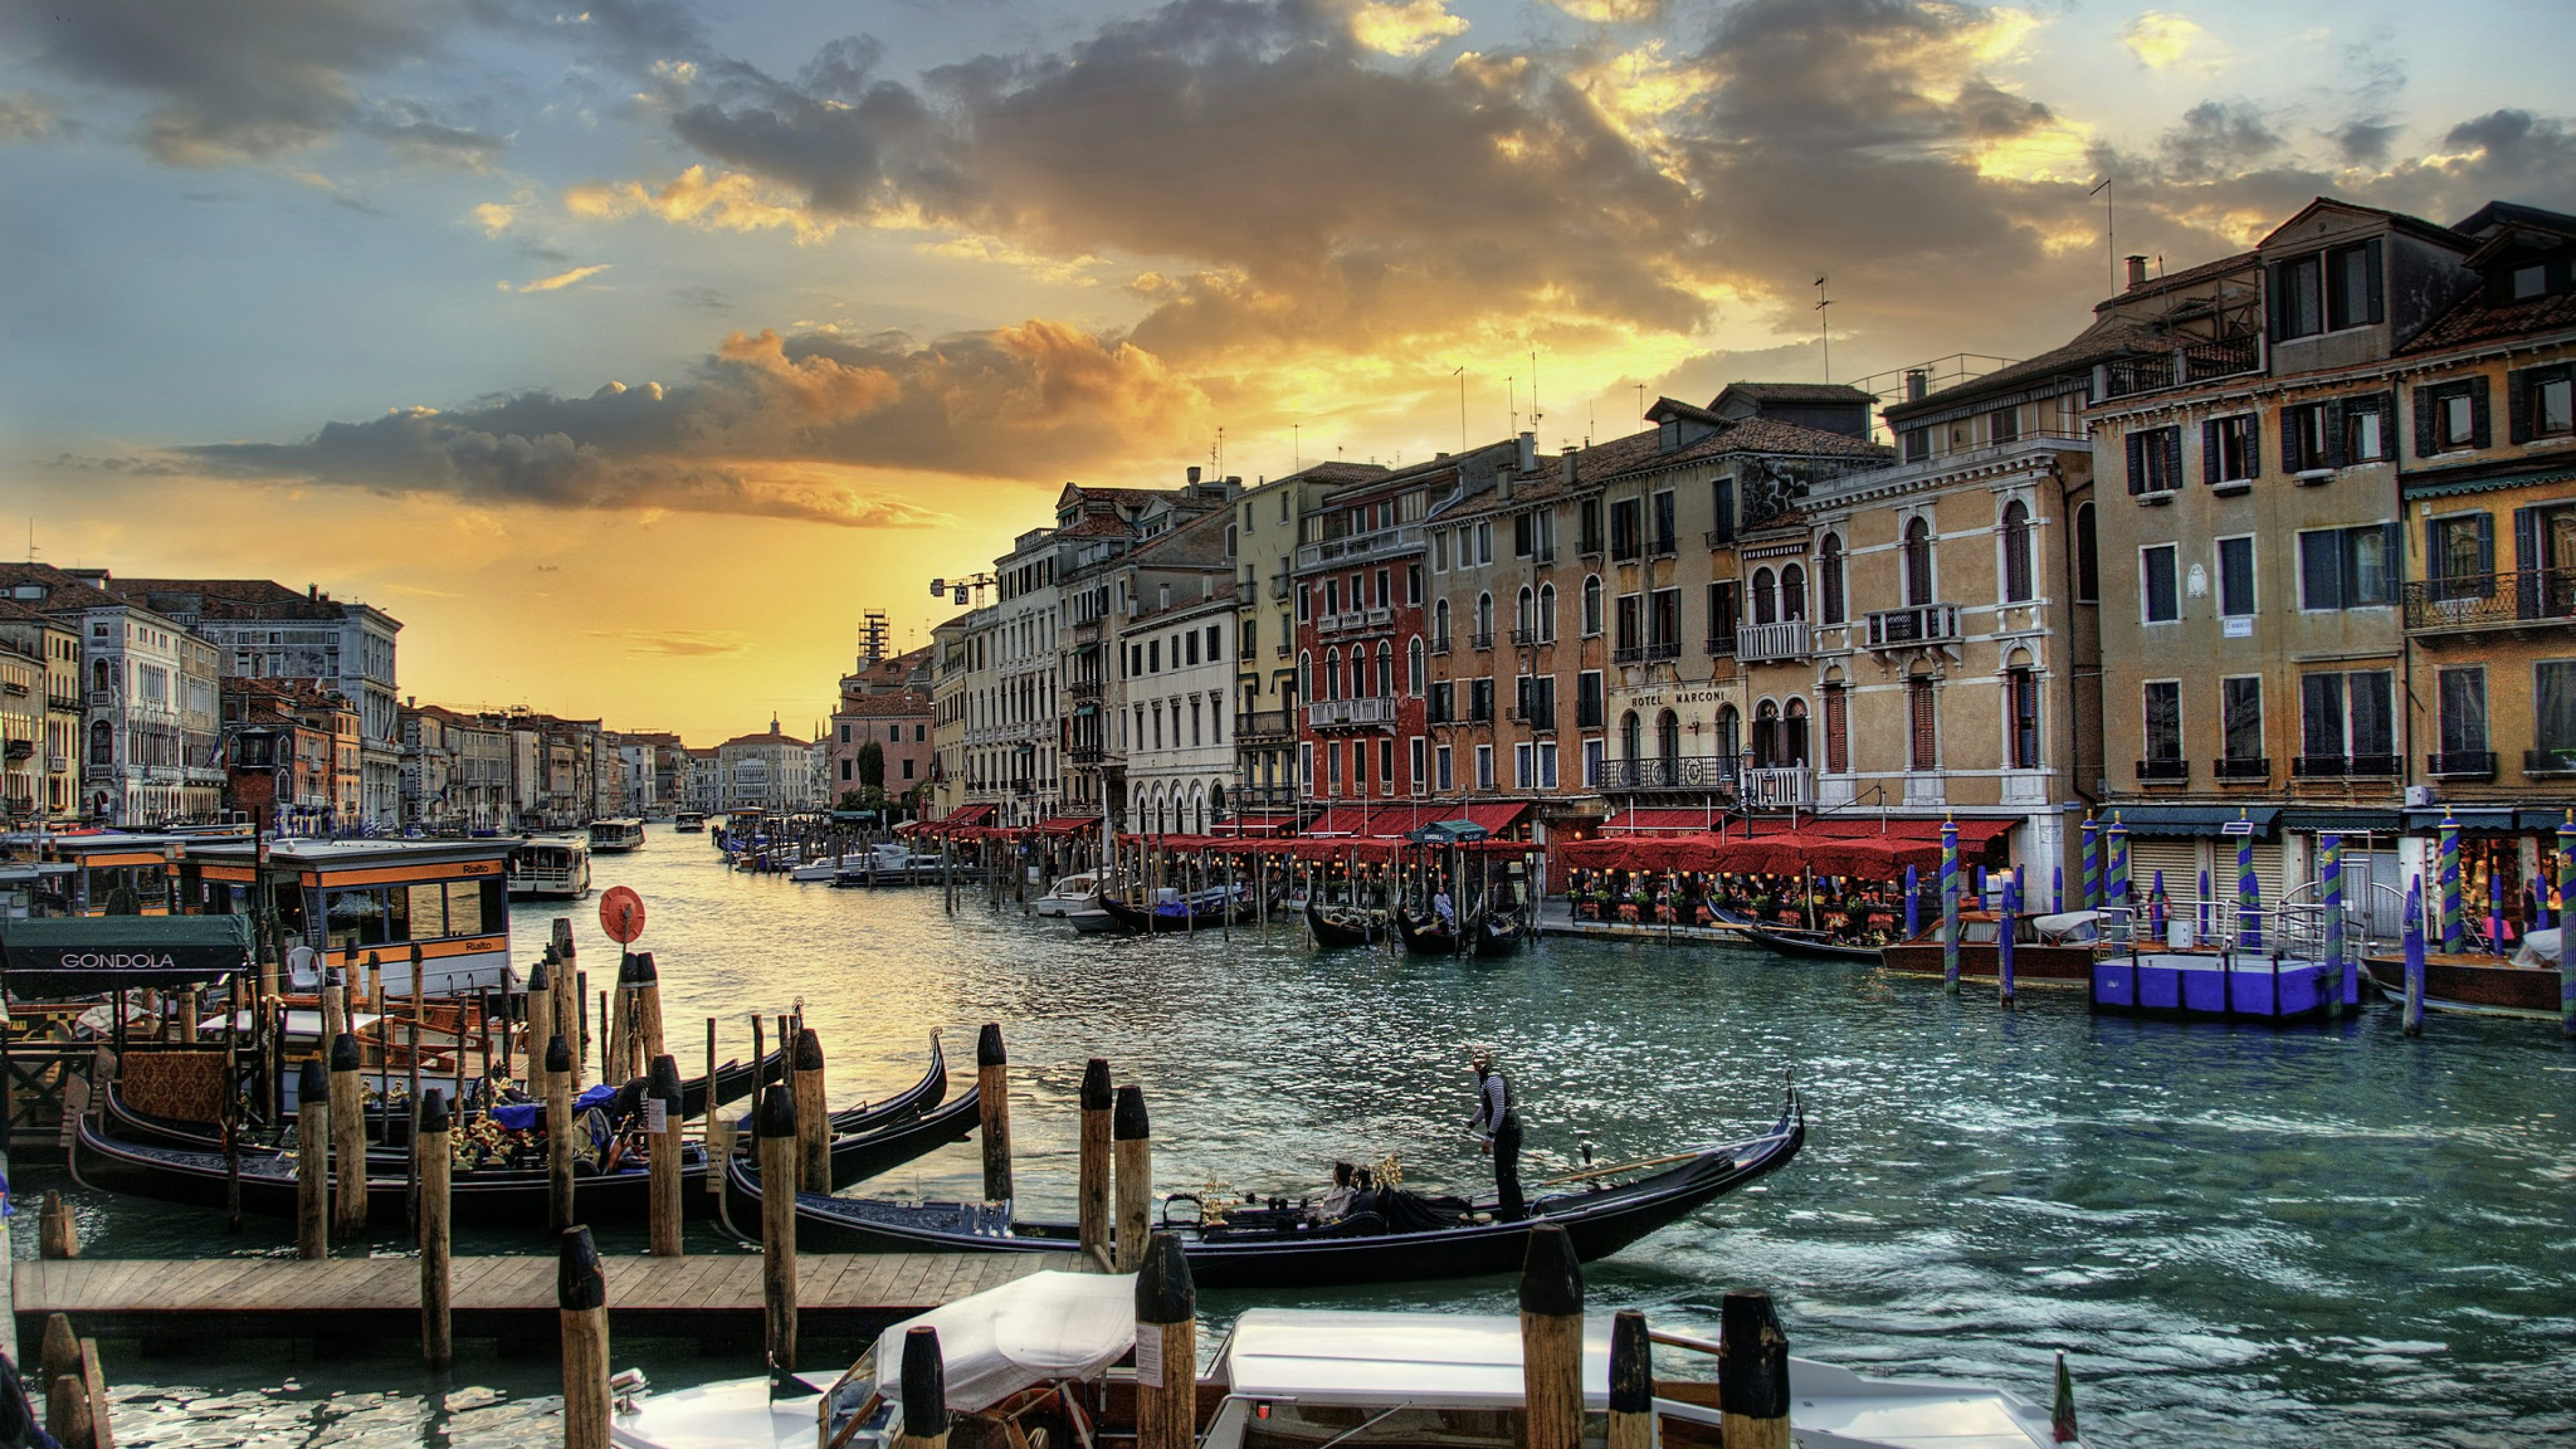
(1608,1168)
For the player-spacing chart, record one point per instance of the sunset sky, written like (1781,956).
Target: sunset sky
(627,353)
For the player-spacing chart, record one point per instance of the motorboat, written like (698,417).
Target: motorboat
(1037,1361)
(689,822)
(550,868)
(1070,893)
(2527,985)
(616,837)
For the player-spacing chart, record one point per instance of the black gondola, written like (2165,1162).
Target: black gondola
(1501,935)
(1207,912)
(1412,1238)
(1426,935)
(1345,925)
(1811,946)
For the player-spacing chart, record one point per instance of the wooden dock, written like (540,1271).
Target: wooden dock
(712,1297)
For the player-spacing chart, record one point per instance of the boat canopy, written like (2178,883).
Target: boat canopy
(1030,1331)
(84,955)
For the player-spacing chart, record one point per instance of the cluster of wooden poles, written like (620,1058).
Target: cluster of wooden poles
(73,1389)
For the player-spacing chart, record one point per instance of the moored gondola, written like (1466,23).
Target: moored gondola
(1426,935)
(1337,926)
(1810,946)
(1394,1237)
(1207,911)
(1501,935)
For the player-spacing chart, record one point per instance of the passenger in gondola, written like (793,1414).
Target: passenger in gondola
(1497,1124)
(1445,909)
(1335,1205)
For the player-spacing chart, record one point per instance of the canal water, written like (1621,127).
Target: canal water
(2238,1236)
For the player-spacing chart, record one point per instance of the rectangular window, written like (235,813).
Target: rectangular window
(1626,516)
(1191,640)
(2023,688)
(2155,460)
(2347,722)
(1588,519)
(1385,589)
(1447,782)
(2297,306)
(1420,778)
(1524,766)
(1440,551)
(2303,438)
(2003,426)
(1595,754)
(1918,444)
(1922,734)
(1480,699)
(1837,731)
(2228,451)
(2352,286)
(1665,619)
(2464,710)
(1359,767)
(1664,515)
(2541,402)
(2365,430)
(1441,697)
(2347,568)
(2451,416)
(1413,584)
(1722,509)
(2459,556)
(1306,761)
(1523,543)
(1386,767)
(1587,700)
(1305,603)
(1485,542)
(2240,716)
(2235,578)
(1631,619)
(2160,593)
(1215,643)
(1484,767)
(2163,701)
(2553,712)
(1154,656)
(1547,765)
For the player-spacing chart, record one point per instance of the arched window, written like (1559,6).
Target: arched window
(1385,669)
(1668,743)
(1484,616)
(1305,675)
(1766,735)
(1332,674)
(1440,623)
(1837,727)
(102,738)
(1524,622)
(1359,671)
(1216,800)
(1730,736)
(1592,605)
(2088,557)
(98,675)
(1766,598)
(1413,666)
(1829,578)
(1918,561)
(1546,612)
(1793,592)
(2016,533)
(1793,742)
(1632,736)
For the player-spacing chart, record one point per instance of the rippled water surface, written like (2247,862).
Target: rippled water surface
(2239,1236)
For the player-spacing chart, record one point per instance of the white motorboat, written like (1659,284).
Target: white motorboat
(1071,893)
(550,868)
(825,868)
(1290,1377)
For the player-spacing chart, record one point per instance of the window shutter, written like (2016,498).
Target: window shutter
(2486,543)
(2290,440)
(2209,452)
(2426,445)
(2527,562)
(2478,431)
(2330,417)
(2378,301)
(2137,462)
(2278,295)
(2517,406)
(2172,442)
(2254,446)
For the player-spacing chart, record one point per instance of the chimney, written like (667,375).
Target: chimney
(1569,465)
(1529,452)
(1918,384)
(313,593)
(2137,272)
(1194,475)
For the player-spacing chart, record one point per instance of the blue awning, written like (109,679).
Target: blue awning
(2315,820)
(2490,822)
(2544,818)
(2190,821)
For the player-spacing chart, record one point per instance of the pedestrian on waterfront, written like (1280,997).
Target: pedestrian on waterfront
(1497,1125)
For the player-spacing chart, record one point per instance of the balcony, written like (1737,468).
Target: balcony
(2560,760)
(2186,363)
(2343,767)
(1524,638)
(1266,724)
(1439,643)
(1778,787)
(1695,773)
(1262,797)
(2461,765)
(1915,624)
(1379,617)
(1082,689)
(2518,599)
(2242,771)
(1279,587)
(1324,714)
(1719,537)
(1482,641)
(1384,542)
(1084,752)
(1760,643)
(2175,771)
(1721,646)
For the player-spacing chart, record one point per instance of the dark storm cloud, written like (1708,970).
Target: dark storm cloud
(2217,139)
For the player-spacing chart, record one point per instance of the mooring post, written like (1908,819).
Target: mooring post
(2413,945)
(617,1055)
(924,1392)
(1632,1382)
(57,1235)
(559,1132)
(648,1006)
(430,1153)
(1132,1140)
(609,1069)
(1167,1354)
(67,1412)
(313,1163)
(581,1303)
(662,1121)
(813,1121)
(707,1125)
(776,1128)
(993,1104)
(1752,1373)
(1551,1298)
(335,1002)
(348,1142)
(59,1354)
(541,1021)
(1093,1189)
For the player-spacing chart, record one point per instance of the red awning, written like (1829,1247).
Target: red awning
(1258,823)
(1392,822)
(1869,849)
(1067,824)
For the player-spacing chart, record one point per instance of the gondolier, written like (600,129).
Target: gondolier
(1498,1123)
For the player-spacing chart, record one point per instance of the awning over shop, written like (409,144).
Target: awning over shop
(956,822)
(2544,818)
(1876,850)
(1394,822)
(2311,820)
(86,955)
(2190,821)
(1063,825)
(2485,822)
(1258,823)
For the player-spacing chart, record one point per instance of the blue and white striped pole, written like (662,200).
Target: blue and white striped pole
(2495,909)
(2330,876)
(1913,903)
(2414,1020)
(2452,935)
(2156,909)
(1950,907)
(2004,929)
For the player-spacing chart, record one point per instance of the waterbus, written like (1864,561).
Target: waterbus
(104,863)
(616,837)
(550,868)
(379,898)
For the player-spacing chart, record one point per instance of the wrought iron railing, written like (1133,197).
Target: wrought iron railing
(2256,768)
(2461,764)
(2515,598)
(1684,772)
(2337,767)
(2168,772)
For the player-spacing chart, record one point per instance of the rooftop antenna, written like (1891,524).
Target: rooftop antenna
(1460,373)
(1512,401)
(1825,327)
(1535,414)
(1297,445)
(1641,399)
(2110,236)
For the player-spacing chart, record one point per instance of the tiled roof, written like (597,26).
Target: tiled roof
(64,593)
(1097,525)
(1337,472)
(2473,319)
(902,702)
(1199,541)
(2102,341)
(2188,276)
(1798,392)
(767,737)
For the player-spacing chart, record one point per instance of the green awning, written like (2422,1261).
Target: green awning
(86,955)
(2496,820)
(2321,820)
(2188,821)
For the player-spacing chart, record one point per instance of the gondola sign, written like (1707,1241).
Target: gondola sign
(621,914)
(2236,827)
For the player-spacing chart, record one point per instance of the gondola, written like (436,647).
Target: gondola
(1426,935)
(1400,1237)
(1344,925)
(1210,916)
(1501,935)
(496,1195)
(1810,946)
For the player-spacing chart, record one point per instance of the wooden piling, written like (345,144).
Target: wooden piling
(707,1127)
(57,1235)
(923,1392)
(60,1353)
(662,1121)
(1632,1383)
(993,1103)
(431,1163)
(313,1164)
(813,1120)
(541,1023)
(1132,1144)
(1753,1373)
(581,1302)
(94,1381)
(559,1132)
(335,1003)
(348,1142)
(648,1006)
(1551,1298)
(608,1068)
(617,1016)
(775,1126)
(1167,1354)
(1093,1191)
(67,1415)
